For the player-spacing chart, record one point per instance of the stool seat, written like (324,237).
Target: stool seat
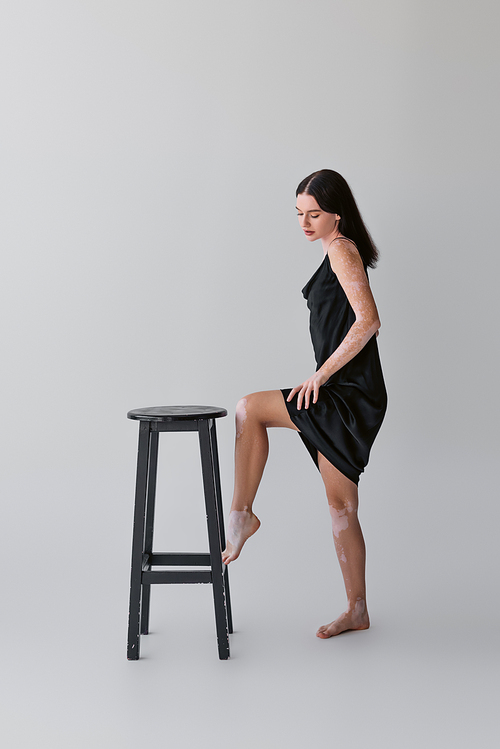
(176,413)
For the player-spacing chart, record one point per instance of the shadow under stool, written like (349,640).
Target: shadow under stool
(152,421)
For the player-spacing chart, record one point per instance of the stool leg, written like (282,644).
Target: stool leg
(133,646)
(220,515)
(150,519)
(214,539)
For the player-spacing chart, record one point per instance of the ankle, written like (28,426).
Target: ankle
(357,605)
(239,508)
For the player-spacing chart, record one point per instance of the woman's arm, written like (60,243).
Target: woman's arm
(347,265)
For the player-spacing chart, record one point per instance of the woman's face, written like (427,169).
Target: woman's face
(314,222)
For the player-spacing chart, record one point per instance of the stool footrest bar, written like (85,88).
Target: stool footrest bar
(180,558)
(150,577)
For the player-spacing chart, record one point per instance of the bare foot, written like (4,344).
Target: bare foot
(356,618)
(241,525)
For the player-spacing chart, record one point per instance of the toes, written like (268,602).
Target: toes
(228,556)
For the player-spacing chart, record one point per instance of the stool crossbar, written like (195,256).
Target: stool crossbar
(152,421)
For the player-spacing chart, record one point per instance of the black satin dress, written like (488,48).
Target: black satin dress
(351,405)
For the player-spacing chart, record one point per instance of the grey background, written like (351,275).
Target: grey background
(150,153)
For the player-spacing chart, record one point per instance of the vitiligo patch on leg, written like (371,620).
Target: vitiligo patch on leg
(241,416)
(242,524)
(340,520)
(236,525)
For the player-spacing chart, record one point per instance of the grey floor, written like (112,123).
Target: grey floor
(424,675)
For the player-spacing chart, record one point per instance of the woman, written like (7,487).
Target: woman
(340,408)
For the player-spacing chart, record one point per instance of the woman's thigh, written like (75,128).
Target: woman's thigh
(340,490)
(267,407)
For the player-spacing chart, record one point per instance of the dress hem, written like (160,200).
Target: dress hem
(314,449)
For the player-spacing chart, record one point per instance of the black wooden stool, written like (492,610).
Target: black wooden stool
(199,419)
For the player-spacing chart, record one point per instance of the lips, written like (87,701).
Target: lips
(308,232)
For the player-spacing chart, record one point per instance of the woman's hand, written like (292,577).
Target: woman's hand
(312,385)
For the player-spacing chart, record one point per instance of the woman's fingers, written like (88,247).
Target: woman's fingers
(300,390)
(304,394)
(312,389)
(300,398)
(307,394)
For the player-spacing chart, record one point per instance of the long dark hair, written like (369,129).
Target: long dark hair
(333,195)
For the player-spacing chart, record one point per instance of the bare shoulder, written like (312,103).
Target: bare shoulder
(344,257)
(348,266)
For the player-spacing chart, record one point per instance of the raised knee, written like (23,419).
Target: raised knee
(241,415)
(241,409)
(246,407)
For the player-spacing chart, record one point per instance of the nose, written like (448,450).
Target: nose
(305,221)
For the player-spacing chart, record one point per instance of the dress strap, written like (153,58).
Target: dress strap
(349,240)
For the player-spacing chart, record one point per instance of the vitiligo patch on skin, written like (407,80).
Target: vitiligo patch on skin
(340,520)
(237,520)
(360,607)
(347,265)
(242,525)
(340,552)
(241,416)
